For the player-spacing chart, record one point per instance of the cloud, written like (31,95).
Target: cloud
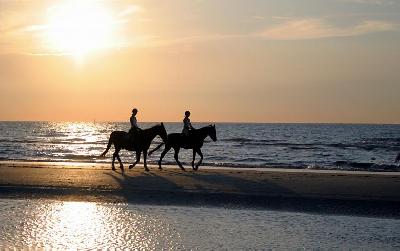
(373,2)
(129,10)
(157,41)
(312,28)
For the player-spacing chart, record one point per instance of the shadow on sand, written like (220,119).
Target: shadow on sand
(201,189)
(241,194)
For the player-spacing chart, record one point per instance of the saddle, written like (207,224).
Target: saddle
(186,139)
(132,135)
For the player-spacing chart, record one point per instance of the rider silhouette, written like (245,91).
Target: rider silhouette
(134,127)
(187,126)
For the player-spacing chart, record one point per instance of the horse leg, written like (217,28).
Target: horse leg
(162,156)
(145,160)
(194,157)
(121,166)
(115,154)
(201,158)
(137,159)
(112,163)
(176,158)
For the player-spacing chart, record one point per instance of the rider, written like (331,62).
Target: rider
(187,126)
(134,127)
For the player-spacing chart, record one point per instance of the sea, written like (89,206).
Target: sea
(252,145)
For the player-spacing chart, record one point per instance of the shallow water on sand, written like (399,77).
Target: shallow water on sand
(86,225)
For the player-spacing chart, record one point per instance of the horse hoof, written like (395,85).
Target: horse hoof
(113,169)
(160,168)
(131,166)
(147,170)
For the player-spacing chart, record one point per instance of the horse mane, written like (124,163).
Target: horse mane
(205,127)
(154,126)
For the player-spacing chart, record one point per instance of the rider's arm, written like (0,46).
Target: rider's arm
(190,124)
(133,122)
(187,124)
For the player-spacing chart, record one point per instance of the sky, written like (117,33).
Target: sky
(312,61)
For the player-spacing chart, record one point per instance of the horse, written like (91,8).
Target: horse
(193,141)
(141,143)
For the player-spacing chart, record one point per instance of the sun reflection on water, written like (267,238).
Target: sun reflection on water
(85,225)
(70,220)
(71,141)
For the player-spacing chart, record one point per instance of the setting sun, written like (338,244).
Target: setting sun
(79,27)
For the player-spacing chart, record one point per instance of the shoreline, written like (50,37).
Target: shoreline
(105,166)
(371,194)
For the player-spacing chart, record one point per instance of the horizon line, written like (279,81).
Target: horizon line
(214,122)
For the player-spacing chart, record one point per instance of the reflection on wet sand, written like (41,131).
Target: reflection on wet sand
(80,225)
(49,224)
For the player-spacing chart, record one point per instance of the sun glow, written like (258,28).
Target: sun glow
(79,27)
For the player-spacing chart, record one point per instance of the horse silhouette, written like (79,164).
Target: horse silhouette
(193,141)
(141,143)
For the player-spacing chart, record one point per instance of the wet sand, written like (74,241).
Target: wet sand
(361,193)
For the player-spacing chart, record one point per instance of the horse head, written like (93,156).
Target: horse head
(212,132)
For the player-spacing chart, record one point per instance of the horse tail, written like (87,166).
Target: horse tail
(108,146)
(155,149)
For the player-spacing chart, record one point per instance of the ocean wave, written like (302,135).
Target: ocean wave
(241,142)
(54,142)
(251,160)
(365,166)
(383,139)
(236,140)
(317,146)
(304,147)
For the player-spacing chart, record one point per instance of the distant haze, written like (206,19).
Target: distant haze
(227,60)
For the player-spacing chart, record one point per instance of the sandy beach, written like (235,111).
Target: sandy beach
(364,193)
